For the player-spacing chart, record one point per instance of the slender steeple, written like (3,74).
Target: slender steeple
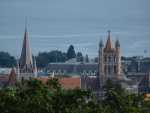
(109,45)
(26,62)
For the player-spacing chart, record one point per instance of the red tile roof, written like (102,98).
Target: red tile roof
(66,82)
(70,83)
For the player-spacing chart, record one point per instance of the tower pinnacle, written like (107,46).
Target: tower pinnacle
(109,45)
(117,44)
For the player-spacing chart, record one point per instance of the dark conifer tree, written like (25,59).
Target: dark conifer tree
(71,52)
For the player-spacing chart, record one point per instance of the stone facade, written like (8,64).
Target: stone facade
(109,60)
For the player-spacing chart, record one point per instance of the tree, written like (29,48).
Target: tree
(119,101)
(42,59)
(71,52)
(34,96)
(57,56)
(6,60)
(47,57)
(79,57)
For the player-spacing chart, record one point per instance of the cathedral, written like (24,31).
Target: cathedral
(26,66)
(109,65)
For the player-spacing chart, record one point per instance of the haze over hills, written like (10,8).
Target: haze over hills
(55,24)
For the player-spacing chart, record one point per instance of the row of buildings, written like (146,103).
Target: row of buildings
(92,75)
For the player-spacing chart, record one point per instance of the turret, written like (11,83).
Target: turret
(117,45)
(118,57)
(101,63)
(101,45)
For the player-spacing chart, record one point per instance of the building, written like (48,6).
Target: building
(109,60)
(8,79)
(26,66)
(66,82)
(90,75)
(109,67)
(94,75)
(71,69)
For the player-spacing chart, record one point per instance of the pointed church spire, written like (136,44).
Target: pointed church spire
(26,63)
(109,45)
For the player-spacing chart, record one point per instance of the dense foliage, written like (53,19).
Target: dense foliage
(35,97)
(46,57)
(6,60)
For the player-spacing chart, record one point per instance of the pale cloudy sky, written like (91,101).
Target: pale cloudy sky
(55,24)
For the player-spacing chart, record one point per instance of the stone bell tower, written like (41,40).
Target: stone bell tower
(109,60)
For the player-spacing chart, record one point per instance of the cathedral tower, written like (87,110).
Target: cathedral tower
(109,60)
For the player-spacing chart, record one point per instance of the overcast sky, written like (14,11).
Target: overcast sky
(80,19)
